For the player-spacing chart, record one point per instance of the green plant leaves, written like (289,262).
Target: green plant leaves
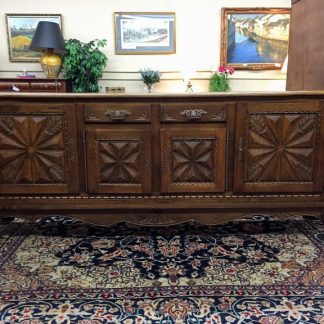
(84,63)
(219,82)
(149,76)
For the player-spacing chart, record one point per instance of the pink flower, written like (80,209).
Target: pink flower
(219,80)
(226,69)
(231,70)
(222,69)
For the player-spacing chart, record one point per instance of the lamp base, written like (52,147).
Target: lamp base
(51,64)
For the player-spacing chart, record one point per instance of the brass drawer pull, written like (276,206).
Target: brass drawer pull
(193,113)
(117,114)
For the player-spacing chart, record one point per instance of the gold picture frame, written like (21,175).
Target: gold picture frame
(254,38)
(145,32)
(20,31)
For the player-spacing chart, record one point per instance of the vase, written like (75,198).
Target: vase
(148,88)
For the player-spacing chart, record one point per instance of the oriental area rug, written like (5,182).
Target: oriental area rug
(256,270)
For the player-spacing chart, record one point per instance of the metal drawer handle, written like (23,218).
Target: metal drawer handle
(117,114)
(193,113)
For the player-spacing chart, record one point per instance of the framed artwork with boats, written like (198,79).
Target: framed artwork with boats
(20,31)
(254,38)
(145,33)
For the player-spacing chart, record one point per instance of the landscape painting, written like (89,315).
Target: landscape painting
(20,31)
(254,38)
(145,33)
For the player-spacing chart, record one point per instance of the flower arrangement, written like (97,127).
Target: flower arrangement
(149,77)
(219,80)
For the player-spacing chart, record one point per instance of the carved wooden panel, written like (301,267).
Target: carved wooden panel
(37,155)
(119,161)
(193,161)
(278,151)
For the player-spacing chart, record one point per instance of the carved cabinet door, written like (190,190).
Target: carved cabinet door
(193,160)
(277,147)
(38,149)
(118,161)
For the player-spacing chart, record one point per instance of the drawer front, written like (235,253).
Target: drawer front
(14,86)
(46,86)
(117,112)
(193,112)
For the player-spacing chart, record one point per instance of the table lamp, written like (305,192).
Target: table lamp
(48,38)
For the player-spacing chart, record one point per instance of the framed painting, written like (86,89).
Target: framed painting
(145,33)
(20,31)
(254,38)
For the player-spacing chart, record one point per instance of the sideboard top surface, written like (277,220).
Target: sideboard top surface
(230,95)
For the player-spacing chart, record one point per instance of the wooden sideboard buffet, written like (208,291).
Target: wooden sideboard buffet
(161,158)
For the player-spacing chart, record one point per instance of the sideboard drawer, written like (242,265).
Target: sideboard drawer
(193,112)
(46,86)
(14,86)
(35,85)
(117,112)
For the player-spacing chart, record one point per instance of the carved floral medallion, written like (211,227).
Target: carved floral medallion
(281,147)
(32,149)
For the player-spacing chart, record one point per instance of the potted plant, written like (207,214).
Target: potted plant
(149,77)
(219,80)
(84,63)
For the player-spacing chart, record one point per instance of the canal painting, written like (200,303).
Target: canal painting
(255,38)
(20,31)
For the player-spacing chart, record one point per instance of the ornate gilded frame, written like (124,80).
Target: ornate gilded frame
(227,31)
(25,54)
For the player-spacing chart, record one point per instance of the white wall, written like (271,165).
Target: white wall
(198,27)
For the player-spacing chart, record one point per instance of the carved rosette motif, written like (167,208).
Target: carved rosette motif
(193,160)
(119,161)
(281,147)
(32,149)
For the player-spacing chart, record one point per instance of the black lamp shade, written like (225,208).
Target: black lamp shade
(48,35)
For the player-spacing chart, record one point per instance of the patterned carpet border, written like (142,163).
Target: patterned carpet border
(165,292)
